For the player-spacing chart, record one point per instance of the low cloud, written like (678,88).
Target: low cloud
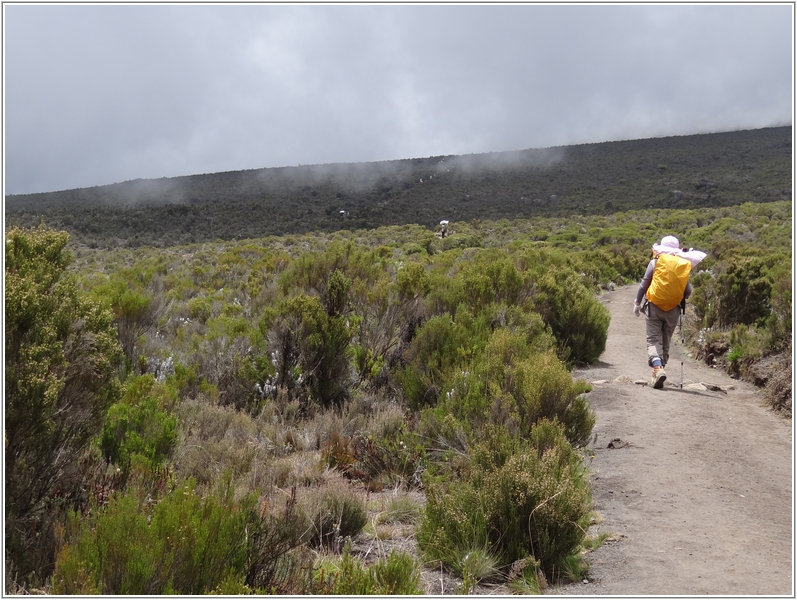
(96,94)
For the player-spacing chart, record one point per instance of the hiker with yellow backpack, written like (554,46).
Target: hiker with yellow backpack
(664,289)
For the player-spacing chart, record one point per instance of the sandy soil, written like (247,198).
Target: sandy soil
(693,483)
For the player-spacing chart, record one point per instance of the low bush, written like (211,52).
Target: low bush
(335,511)
(779,321)
(138,425)
(578,320)
(387,461)
(512,385)
(747,345)
(278,561)
(184,544)
(743,292)
(401,509)
(396,575)
(520,498)
(312,347)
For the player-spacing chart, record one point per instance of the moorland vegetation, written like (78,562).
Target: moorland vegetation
(268,415)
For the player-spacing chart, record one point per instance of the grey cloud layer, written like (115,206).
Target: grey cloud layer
(98,94)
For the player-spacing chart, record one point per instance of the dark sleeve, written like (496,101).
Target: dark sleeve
(688,290)
(643,287)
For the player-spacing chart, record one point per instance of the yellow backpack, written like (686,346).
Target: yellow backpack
(669,281)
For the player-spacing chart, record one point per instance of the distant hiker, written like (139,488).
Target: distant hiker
(664,288)
(443,228)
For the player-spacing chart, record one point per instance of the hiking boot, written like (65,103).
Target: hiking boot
(658,377)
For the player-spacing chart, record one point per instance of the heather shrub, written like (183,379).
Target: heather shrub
(512,385)
(744,309)
(703,299)
(110,553)
(439,348)
(184,544)
(396,575)
(743,292)
(199,308)
(577,319)
(446,292)
(412,281)
(278,561)
(231,357)
(541,496)
(61,360)
(457,240)
(138,425)
(312,273)
(779,322)
(135,309)
(491,278)
(617,263)
(311,343)
(454,523)
(427,361)
(519,498)
(526,323)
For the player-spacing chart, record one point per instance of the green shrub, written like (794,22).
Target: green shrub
(135,309)
(616,263)
(519,499)
(779,322)
(577,319)
(61,360)
(185,544)
(336,294)
(412,281)
(305,335)
(747,345)
(743,293)
(458,240)
(704,298)
(446,293)
(495,279)
(138,425)
(512,385)
(113,554)
(396,575)
(429,360)
(440,347)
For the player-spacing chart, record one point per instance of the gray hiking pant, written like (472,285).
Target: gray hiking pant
(659,327)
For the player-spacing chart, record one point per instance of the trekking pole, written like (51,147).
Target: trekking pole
(683,344)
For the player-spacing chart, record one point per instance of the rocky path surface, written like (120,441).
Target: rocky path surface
(694,484)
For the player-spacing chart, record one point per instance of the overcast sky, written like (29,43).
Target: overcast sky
(98,94)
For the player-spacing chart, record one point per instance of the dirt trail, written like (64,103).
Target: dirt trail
(697,488)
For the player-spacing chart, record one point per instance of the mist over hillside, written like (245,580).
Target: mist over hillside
(719,169)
